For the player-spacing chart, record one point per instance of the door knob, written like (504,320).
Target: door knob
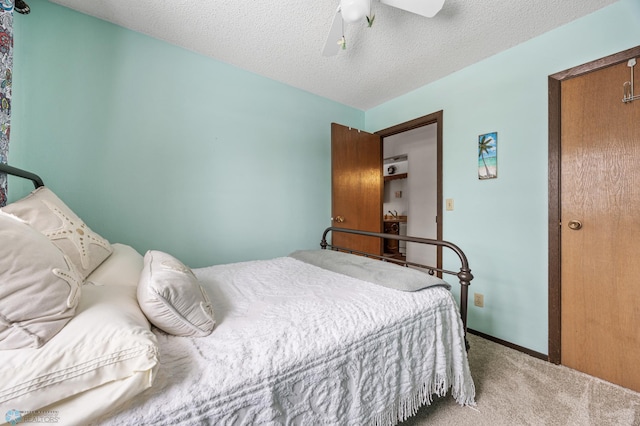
(575,225)
(338,219)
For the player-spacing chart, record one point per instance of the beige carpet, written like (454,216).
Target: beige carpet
(513,388)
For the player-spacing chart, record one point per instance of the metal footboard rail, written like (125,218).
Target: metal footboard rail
(464,274)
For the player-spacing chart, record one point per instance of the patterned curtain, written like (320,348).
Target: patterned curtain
(6,65)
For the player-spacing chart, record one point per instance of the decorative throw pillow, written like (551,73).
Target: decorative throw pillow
(39,286)
(45,212)
(172,298)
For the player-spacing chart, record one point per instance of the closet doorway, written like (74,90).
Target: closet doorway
(418,198)
(410,167)
(594,232)
(357,185)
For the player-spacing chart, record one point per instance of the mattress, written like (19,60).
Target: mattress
(297,344)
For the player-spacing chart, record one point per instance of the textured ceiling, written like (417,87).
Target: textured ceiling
(283,39)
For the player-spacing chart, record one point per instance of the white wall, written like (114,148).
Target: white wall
(420,188)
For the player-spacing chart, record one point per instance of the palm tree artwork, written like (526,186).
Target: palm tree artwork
(488,156)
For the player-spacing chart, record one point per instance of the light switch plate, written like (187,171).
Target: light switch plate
(449,204)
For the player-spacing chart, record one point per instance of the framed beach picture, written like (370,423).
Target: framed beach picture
(488,156)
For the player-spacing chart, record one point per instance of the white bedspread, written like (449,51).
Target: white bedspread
(323,349)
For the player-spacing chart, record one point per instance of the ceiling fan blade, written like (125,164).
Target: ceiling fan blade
(428,8)
(331,46)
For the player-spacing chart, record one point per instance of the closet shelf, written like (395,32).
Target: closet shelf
(394,177)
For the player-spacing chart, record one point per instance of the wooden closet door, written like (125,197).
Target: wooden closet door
(600,227)
(356,187)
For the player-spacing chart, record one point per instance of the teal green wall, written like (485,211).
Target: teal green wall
(159,147)
(502,224)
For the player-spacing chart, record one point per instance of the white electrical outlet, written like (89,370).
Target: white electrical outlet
(478,300)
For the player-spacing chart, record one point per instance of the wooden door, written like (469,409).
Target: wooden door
(600,261)
(356,186)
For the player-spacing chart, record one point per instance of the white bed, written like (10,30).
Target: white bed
(323,349)
(279,341)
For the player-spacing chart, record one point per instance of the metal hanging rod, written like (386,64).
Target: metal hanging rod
(627,87)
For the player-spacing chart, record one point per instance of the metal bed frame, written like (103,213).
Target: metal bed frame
(464,274)
(5,168)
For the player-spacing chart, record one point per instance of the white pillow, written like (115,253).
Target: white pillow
(45,212)
(123,267)
(172,298)
(107,343)
(39,286)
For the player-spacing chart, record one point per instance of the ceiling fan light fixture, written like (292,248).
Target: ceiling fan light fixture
(354,10)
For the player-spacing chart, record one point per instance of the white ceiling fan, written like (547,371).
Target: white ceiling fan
(350,11)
